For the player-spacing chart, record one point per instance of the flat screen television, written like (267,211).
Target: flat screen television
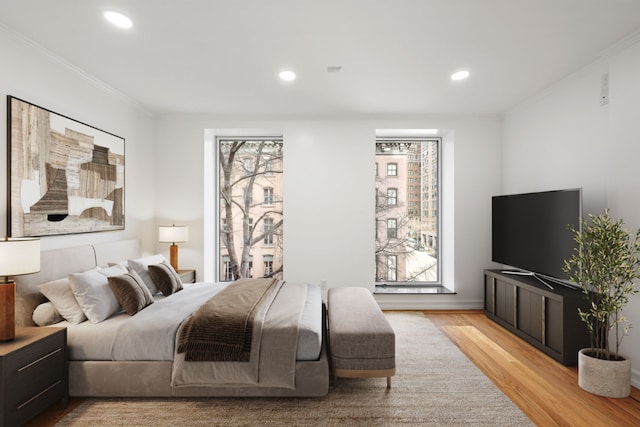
(530,230)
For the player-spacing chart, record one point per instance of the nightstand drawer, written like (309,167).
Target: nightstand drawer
(23,410)
(34,373)
(32,358)
(33,376)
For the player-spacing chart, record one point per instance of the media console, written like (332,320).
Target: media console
(545,318)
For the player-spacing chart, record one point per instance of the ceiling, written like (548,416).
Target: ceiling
(223,57)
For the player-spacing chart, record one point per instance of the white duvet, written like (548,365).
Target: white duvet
(151,333)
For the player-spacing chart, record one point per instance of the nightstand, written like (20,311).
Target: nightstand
(187,276)
(33,373)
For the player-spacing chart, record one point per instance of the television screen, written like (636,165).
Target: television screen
(530,231)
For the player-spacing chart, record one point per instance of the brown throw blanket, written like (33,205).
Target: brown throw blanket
(221,329)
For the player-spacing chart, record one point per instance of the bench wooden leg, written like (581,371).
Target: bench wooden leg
(388,382)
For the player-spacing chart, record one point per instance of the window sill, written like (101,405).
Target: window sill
(406,289)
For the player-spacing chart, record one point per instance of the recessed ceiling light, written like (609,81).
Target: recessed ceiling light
(460,75)
(118,19)
(287,75)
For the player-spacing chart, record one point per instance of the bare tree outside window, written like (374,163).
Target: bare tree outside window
(407,220)
(251,216)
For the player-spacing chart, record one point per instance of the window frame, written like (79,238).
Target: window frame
(430,207)
(218,264)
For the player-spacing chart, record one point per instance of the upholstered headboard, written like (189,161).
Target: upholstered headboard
(116,251)
(58,263)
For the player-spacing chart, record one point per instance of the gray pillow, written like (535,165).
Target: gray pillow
(165,278)
(131,292)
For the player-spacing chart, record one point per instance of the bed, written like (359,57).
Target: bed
(108,359)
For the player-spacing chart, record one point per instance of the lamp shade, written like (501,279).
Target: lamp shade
(19,256)
(173,233)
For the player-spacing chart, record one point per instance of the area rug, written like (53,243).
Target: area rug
(435,385)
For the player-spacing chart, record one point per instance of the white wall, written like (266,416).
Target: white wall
(563,138)
(329,197)
(27,72)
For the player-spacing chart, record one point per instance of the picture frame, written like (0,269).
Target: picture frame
(64,176)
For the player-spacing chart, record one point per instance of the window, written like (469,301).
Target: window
(249,271)
(247,228)
(268,231)
(409,251)
(226,268)
(267,265)
(268,196)
(392,268)
(392,196)
(392,225)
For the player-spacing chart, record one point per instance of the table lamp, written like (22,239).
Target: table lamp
(172,234)
(17,256)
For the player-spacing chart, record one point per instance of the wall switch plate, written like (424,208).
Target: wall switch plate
(604,89)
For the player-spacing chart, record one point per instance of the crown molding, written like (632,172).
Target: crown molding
(620,45)
(99,84)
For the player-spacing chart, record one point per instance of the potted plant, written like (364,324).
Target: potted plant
(605,265)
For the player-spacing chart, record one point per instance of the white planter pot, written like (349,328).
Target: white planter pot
(609,378)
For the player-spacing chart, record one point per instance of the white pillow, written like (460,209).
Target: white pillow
(113,270)
(141,266)
(60,294)
(93,293)
(123,264)
(46,314)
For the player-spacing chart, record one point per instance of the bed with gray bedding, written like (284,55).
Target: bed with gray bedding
(136,355)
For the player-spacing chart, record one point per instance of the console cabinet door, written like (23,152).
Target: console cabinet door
(505,301)
(530,314)
(554,321)
(489,296)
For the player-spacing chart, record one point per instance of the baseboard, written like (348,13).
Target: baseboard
(635,378)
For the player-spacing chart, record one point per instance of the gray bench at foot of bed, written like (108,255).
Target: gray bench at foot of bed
(362,343)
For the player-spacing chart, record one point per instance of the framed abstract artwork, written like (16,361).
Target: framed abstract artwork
(65,177)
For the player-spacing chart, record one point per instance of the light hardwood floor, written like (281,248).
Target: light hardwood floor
(545,390)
